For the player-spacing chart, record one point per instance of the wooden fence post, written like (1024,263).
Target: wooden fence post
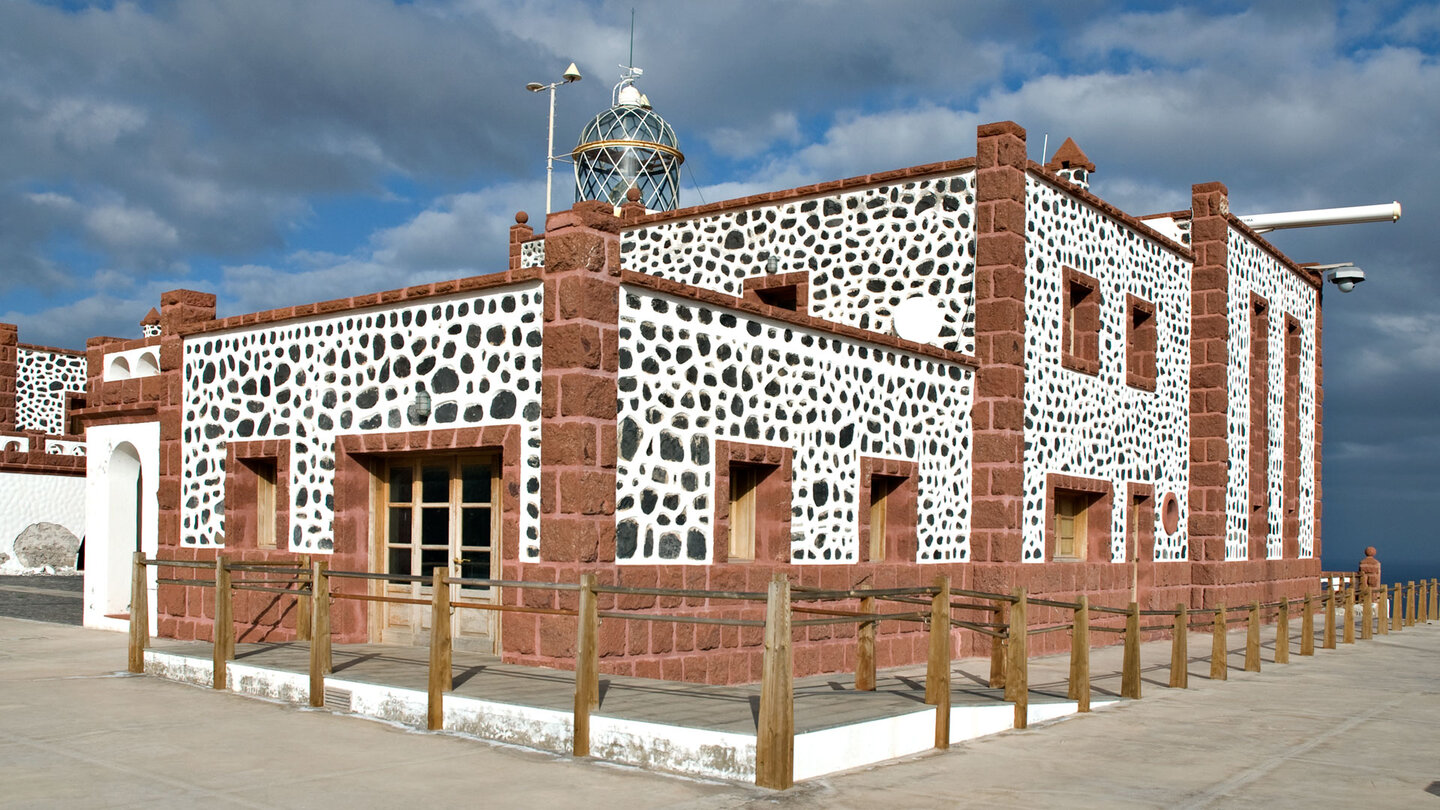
(1434,599)
(1329,641)
(1397,619)
(1410,604)
(1430,601)
(1180,649)
(1307,627)
(775,738)
(1130,670)
(1282,632)
(937,672)
(1421,616)
(222,631)
(998,655)
(1080,656)
(1382,607)
(441,676)
(587,665)
(1219,649)
(1349,614)
(865,649)
(139,614)
(319,632)
(1367,613)
(1252,639)
(1017,669)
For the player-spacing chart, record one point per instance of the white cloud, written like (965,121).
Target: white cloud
(129,229)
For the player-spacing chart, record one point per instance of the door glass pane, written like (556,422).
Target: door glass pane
(399,560)
(432,558)
(435,527)
(400,478)
(435,484)
(475,527)
(475,483)
(476,565)
(399,528)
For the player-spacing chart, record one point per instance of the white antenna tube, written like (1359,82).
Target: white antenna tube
(1262,223)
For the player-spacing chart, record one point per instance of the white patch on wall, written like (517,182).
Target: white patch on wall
(866,252)
(1254,269)
(691,375)
(41,380)
(1094,425)
(27,499)
(532,253)
(477,355)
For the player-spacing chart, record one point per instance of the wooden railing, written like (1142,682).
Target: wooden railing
(1004,618)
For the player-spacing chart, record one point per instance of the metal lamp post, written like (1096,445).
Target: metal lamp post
(571,74)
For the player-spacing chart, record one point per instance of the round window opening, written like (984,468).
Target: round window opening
(1170,513)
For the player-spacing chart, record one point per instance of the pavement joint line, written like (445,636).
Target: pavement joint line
(1294,752)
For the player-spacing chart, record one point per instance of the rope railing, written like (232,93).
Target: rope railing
(1388,608)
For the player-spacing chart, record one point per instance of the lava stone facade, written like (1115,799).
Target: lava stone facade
(625,362)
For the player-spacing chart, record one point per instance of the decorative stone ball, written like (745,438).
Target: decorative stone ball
(1369,551)
(521,217)
(632,194)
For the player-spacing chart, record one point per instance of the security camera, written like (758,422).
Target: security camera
(1347,277)
(1344,275)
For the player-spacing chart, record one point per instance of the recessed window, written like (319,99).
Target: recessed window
(1080,324)
(786,297)
(887,517)
(1140,342)
(1078,523)
(745,479)
(440,513)
(1070,534)
(265,472)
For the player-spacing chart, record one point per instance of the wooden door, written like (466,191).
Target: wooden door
(440,511)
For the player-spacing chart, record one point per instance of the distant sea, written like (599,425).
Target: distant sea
(1399,570)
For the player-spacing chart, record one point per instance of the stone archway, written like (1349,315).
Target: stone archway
(124,485)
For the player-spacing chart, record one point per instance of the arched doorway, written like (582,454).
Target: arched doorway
(124,484)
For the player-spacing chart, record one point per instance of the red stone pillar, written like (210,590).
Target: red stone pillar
(1209,355)
(998,414)
(578,394)
(520,233)
(9,370)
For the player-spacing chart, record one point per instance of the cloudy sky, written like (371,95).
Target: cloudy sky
(282,151)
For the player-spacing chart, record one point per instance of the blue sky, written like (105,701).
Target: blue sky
(281,151)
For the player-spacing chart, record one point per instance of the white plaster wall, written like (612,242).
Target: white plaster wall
(107,567)
(1254,269)
(26,498)
(1095,425)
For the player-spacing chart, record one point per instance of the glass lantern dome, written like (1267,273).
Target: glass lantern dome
(628,146)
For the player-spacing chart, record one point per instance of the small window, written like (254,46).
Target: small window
(884,490)
(1140,342)
(744,481)
(1070,534)
(265,473)
(786,297)
(1080,326)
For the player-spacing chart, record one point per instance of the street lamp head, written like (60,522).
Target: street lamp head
(572,74)
(534,87)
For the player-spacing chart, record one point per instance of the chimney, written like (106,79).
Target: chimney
(1071,164)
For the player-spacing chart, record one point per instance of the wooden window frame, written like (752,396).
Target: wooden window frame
(1140,344)
(896,539)
(1080,321)
(454,460)
(771,500)
(257,510)
(1097,497)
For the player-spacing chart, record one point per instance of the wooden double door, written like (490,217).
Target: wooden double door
(439,511)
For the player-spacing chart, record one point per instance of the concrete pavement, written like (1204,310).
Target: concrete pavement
(1357,724)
